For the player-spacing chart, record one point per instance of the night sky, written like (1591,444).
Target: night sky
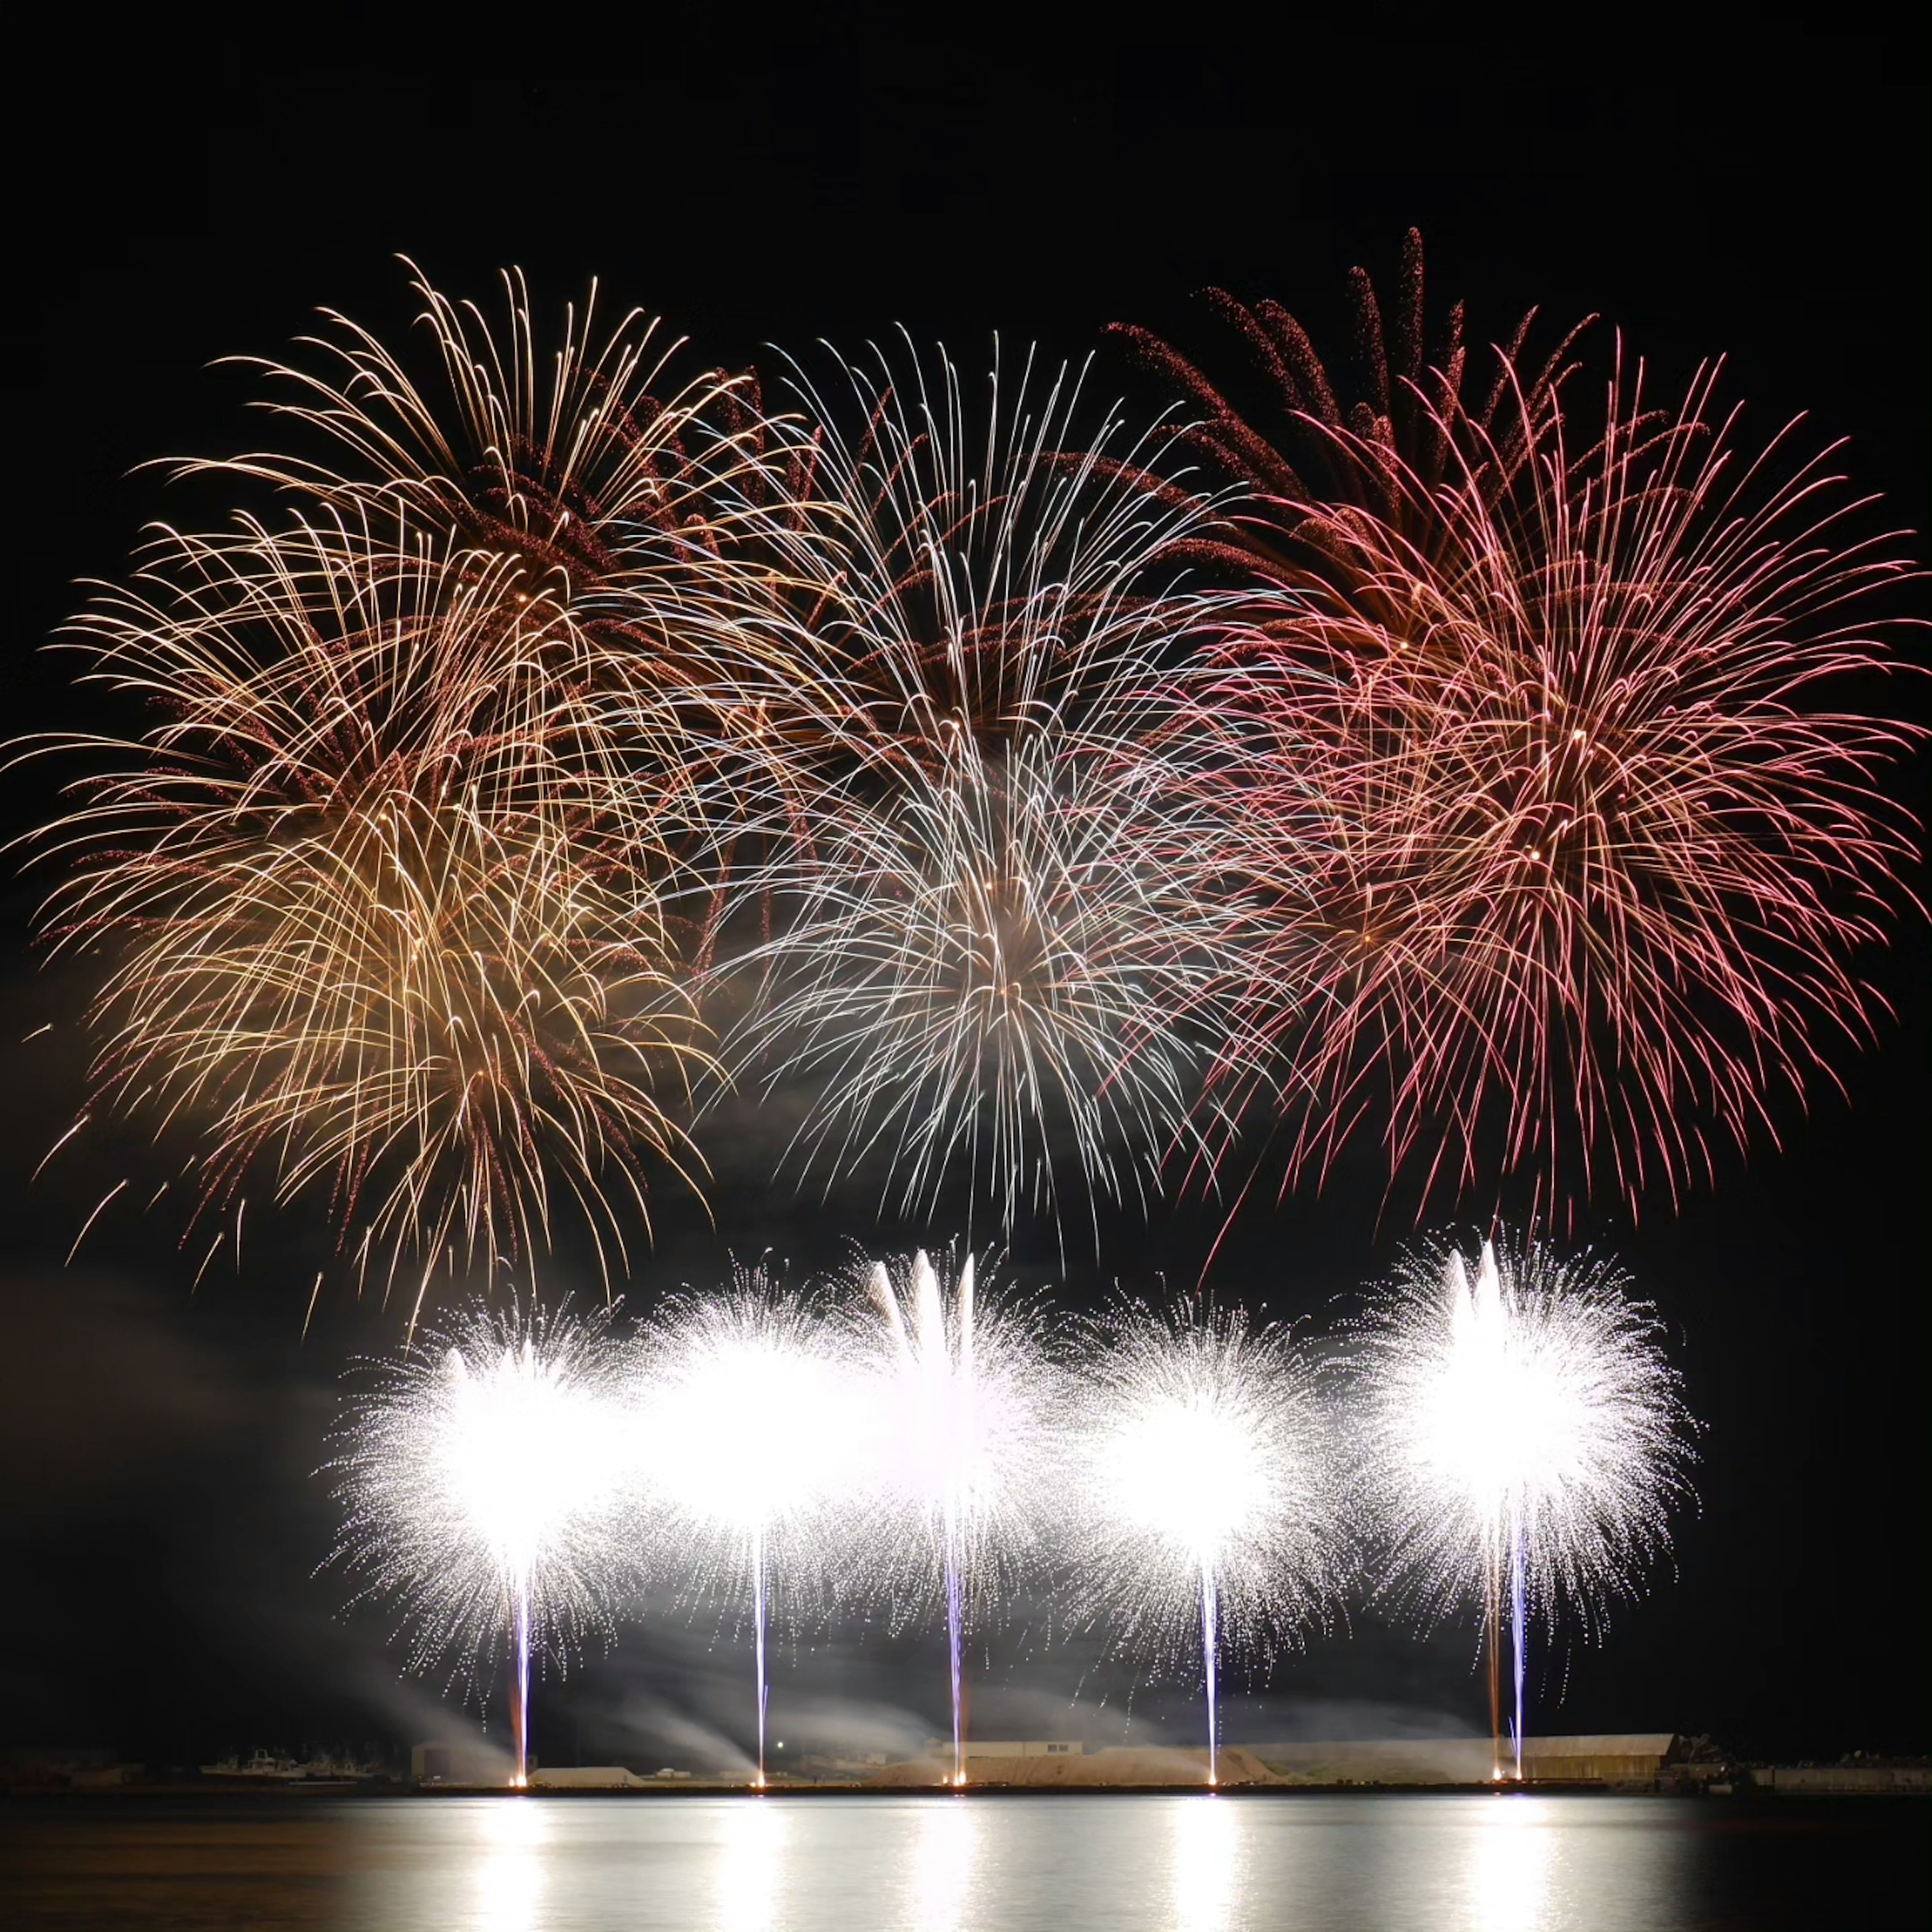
(1757,190)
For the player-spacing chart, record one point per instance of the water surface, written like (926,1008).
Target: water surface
(1385,1863)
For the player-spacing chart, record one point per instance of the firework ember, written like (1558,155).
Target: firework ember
(482,1475)
(1521,1436)
(960,1397)
(367,924)
(400,893)
(1556,823)
(763,1381)
(993,950)
(594,481)
(1212,1514)
(1335,435)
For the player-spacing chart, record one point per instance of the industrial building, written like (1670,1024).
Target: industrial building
(1628,1758)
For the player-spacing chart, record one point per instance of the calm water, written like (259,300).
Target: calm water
(1516,1863)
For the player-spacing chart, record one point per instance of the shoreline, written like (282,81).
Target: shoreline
(209,1791)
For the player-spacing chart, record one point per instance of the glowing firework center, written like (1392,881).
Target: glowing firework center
(521,1454)
(1188,1473)
(1521,1438)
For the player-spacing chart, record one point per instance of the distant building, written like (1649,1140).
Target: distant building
(994,1748)
(75,1768)
(474,1762)
(1810,1778)
(1634,1758)
(832,1764)
(593,1778)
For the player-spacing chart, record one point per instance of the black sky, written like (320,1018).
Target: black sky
(1754,185)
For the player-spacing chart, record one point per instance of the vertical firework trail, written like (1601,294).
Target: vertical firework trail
(1506,1557)
(1209,1641)
(519,1713)
(758,1640)
(961,1408)
(483,1475)
(931,1365)
(1518,1615)
(1520,1435)
(741,1515)
(1208,1490)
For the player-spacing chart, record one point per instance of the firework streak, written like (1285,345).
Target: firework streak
(1504,1435)
(1469,763)
(1520,1439)
(483,1476)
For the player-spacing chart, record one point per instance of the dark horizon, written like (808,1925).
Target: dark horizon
(1760,193)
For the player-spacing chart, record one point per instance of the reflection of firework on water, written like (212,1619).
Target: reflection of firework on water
(1520,1437)
(1212,1516)
(961,1401)
(749,1396)
(990,950)
(1574,849)
(482,1474)
(369,920)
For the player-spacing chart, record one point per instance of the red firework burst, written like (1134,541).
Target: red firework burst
(1355,433)
(1554,819)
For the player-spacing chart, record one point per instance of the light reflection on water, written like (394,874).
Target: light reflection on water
(940,1870)
(751,1866)
(507,1877)
(1204,1873)
(1514,1856)
(1315,1863)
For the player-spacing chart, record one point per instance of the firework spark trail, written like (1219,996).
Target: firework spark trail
(1519,1659)
(992,953)
(1210,1658)
(1520,1437)
(744,1511)
(1342,436)
(1210,1504)
(367,917)
(401,890)
(625,503)
(560,453)
(481,1472)
(1569,849)
(961,1404)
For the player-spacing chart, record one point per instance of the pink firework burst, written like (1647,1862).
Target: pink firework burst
(1557,815)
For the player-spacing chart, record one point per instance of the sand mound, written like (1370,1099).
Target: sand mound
(1115,1766)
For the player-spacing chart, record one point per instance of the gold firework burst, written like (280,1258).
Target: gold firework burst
(372,904)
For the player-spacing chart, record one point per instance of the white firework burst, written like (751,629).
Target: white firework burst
(482,1473)
(1521,1436)
(992,955)
(1212,1512)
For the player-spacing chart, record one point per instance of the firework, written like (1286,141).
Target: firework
(960,1399)
(990,947)
(481,1474)
(751,1385)
(401,890)
(1554,821)
(1212,1513)
(1521,1439)
(602,496)
(370,923)
(1337,435)
(589,478)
